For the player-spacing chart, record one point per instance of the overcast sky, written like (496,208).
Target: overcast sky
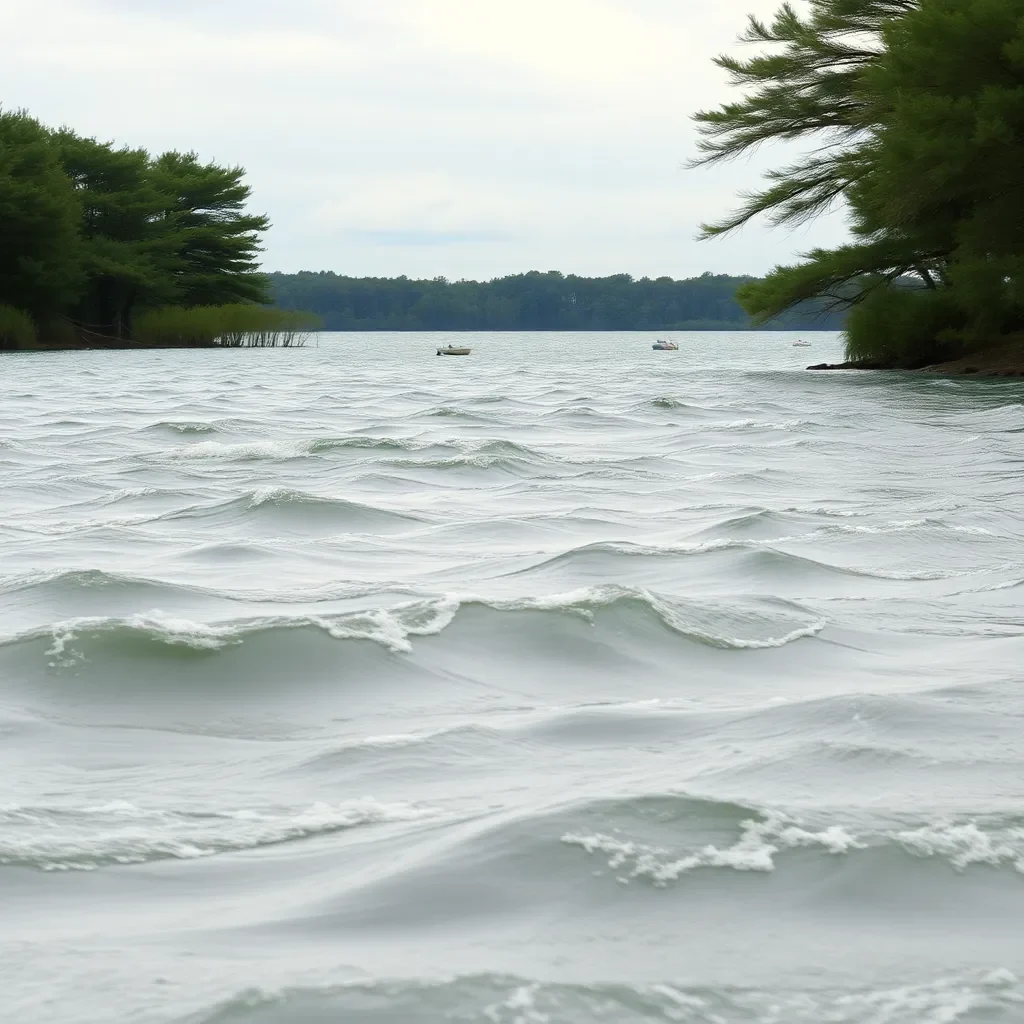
(470,138)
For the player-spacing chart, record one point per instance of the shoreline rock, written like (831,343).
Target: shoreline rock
(855,364)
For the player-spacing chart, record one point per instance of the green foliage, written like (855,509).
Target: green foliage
(40,258)
(97,233)
(918,117)
(160,231)
(57,331)
(527,302)
(118,204)
(16,328)
(811,83)
(210,244)
(908,327)
(235,325)
(833,278)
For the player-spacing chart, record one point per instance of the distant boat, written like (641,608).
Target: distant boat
(665,346)
(451,350)
(800,343)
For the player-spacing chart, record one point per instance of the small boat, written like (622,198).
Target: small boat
(451,350)
(665,346)
(800,343)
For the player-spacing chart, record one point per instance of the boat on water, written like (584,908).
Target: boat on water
(800,343)
(665,346)
(451,350)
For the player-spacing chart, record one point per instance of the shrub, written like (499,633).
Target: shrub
(16,328)
(903,327)
(239,325)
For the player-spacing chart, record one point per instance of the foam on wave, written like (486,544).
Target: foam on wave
(389,627)
(185,427)
(762,839)
(734,624)
(118,832)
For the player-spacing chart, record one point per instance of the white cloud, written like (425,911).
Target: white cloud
(463,137)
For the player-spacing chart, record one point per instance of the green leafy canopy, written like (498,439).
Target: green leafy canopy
(96,234)
(912,112)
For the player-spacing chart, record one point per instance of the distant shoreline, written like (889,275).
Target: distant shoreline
(535,301)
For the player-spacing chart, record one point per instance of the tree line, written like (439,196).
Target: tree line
(912,115)
(95,236)
(533,301)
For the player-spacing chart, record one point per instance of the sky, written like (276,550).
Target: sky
(464,138)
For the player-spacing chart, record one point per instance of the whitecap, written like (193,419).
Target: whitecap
(762,840)
(69,838)
(755,850)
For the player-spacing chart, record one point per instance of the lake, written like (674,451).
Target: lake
(568,681)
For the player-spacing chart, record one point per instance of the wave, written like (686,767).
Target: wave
(761,841)
(77,579)
(509,463)
(59,838)
(153,630)
(1008,418)
(666,402)
(239,451)
(749,423)
(741,624)
(457,412)
(742,749)
(754,850)
(153,626)
(186,427)
(659,840)
(765,524)
(993,994)
(283,505)
(989,588)
(737,624)
(89,584)
(301,448)
(298,448)
(964,844)
(756,524)
(899,526)
(361,442)
(501,447)
(445,411)
(463,744)
(92,584)
(752,840)
(763,554)
(287,498)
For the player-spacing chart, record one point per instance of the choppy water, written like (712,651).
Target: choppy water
(568,682)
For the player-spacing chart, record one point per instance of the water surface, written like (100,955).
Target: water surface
(566,682)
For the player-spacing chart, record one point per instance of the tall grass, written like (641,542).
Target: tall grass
(16,328)
(234,326)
